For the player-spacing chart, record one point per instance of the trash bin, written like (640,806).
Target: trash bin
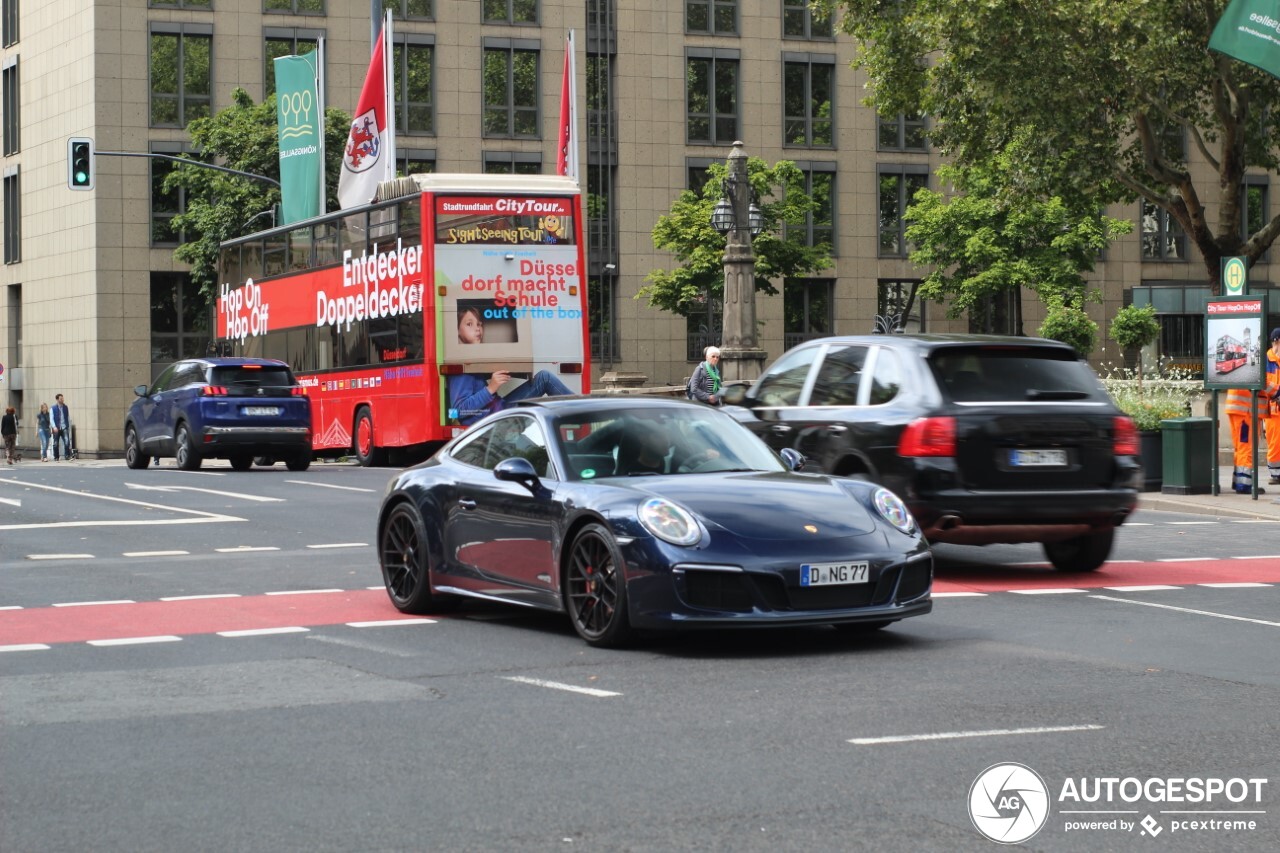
(1188,456)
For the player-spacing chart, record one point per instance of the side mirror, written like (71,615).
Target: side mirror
(140,390)
(793,458)
(733,395)
(516,470)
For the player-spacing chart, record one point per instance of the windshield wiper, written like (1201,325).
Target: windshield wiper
(1035,394)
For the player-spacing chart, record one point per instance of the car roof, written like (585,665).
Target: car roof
(936,341)
(227,361)
(576,405)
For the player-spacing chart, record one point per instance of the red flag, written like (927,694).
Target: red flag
(566,114)
(367,160)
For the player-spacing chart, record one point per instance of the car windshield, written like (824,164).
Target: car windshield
(265,376)
(993,374)
(636,442)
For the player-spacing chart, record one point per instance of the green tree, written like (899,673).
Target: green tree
(221,206)
(686,232)
(1117,92)
(1071,325)
(1134,328)
(989,238)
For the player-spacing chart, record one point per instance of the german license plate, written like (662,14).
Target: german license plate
(1049,458)
(832,574)
(261,410)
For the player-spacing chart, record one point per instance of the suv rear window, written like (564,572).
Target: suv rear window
(258,377)
(1013,373)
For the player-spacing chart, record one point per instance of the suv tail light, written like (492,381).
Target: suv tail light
(1126,433)
(213,391)
(299,391)
(928,437)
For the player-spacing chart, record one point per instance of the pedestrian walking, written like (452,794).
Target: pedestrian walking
(1239,403)
(1272,393)
(61,427)
(9,431)
(44,429)
(704,384)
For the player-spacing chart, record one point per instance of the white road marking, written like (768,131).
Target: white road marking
(1254,521)
(244,549)
(935,595)
(11,607)
(135,641)
(11,501)
(1189,523)
(237,495)
(555,685)
(341,545)
(24,647)
(201,517)
(155,553)
(1258,557)
(59,556)
(391,623)
(1238,585)
(262,632)
(303,591)
(1181,559)
(92,603)
(201,597)
(1044,591)
(1188,610)
(1039,730)
(1148,588)
(330,486)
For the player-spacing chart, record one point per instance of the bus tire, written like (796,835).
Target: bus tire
(363,437)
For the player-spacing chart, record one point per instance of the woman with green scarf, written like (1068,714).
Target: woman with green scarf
(704,385)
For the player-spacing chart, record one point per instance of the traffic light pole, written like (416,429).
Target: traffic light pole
(189,162)
(81,170)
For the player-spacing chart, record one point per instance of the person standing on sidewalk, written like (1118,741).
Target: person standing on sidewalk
(1272,393)
(44,429)
(61,427)
(9,432)
(1238,403)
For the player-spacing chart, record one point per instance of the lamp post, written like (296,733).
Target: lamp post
(739,220)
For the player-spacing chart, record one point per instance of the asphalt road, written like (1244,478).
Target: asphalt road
(232,697)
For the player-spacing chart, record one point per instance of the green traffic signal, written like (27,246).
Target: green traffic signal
(80,155)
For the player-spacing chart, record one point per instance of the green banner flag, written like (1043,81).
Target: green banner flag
(301,123)
(1247,32)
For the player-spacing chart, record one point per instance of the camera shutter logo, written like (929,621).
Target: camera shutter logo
(1008,803)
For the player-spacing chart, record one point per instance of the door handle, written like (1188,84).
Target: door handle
(779,429)
(467,504)
(837,429)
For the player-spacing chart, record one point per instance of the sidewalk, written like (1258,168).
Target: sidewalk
(1227,504)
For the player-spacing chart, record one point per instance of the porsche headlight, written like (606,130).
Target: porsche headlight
(893,510)
(669,522)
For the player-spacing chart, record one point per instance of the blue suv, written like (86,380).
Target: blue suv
(226,408)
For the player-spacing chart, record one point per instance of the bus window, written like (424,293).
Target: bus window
(352,238)
(411,221)
(300,248)
(229,266)
(273,257)
(326,244)
(250,262)
(383,223)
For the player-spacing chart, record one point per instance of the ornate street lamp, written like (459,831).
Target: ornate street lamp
(737,217)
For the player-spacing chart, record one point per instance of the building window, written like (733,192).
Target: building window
(181,73)
(602,121)
(411,10)
(898,184)
(602,297)
(295,7)
(711,96)
(510,11)
(901,133)
(180,4)
(12,122)
(899,307)
(414,60)
(12,217)
(601,229)
(716,17)
(704,326)
(800,21)
(9,22)
(180,317)
(286,42)
(819,224)
(807,310)
(510,88)
(808,82)
(1162,237)
(415,161)
(165,204)
(512,163)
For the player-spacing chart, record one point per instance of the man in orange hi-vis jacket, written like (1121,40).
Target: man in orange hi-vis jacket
(1238,401)
(1272,393)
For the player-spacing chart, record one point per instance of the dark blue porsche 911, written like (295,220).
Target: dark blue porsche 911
(646,513)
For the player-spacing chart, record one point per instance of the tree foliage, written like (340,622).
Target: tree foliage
(686,232)
(1117,93)
(1134,328)
(1072,326)
(220,206)
(988,238)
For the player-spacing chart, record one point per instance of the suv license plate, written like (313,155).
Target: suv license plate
(831,574)
(1038,458)
(261,410)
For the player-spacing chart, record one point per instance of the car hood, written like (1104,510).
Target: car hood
(766,505)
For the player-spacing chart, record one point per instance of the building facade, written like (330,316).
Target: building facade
(93,303)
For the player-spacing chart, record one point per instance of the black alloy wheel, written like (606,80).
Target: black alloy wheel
(595,590)
(133,455)
(405,563)
(188,458)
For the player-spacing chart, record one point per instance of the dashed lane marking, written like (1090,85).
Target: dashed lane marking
(556,685)
(331,486)
(245,549)
(135,641)
(1188,610)
(94,603)
(60,557)
(25,647)
(200,517)
(155,553)
(339,545)
(1036,730)
(263,632)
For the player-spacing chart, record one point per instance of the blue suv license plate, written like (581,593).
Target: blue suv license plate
(269,411)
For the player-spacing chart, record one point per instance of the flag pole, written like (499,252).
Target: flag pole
(320,98)
(388,60)
(573,108)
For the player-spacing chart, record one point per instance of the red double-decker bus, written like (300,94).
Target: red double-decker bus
(409,318)
(1231,354)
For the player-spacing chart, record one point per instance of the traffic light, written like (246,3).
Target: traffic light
(80,163)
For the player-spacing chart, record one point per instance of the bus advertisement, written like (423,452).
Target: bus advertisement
(449,297)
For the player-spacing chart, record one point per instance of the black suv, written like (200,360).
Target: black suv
(987,438)
(231,408)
